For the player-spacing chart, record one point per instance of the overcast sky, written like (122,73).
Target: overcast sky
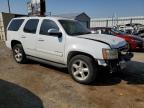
(94,8)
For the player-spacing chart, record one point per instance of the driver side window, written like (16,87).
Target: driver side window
(46,25)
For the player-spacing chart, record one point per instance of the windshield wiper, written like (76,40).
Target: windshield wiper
(81,33)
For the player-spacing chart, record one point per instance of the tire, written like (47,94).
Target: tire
(19,54)
(83,69)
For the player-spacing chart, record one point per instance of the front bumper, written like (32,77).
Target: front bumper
(118,64)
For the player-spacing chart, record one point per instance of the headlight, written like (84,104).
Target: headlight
(109,54)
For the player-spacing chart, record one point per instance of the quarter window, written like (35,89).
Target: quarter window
(46,25)
(15,24)
(31,26)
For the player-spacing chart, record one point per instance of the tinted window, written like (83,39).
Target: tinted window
(46,25)
(15,24)
(31,26)
(74,28)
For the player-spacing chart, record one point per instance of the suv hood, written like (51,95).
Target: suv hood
(114,42)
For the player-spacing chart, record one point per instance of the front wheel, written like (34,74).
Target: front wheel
(82,69)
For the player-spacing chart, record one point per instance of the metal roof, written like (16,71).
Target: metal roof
(70,15)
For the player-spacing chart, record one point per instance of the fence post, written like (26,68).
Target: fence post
(131,21)
(106,23)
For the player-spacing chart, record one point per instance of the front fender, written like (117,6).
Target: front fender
(90,47)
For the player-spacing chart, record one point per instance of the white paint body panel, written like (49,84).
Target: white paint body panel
(113,41)
(57,50)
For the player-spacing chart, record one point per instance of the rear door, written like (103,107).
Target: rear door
(28,36)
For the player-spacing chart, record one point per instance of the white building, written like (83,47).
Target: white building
(109,22)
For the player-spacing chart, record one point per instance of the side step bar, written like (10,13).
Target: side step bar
(47,62)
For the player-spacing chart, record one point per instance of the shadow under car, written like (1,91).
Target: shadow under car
(14,96)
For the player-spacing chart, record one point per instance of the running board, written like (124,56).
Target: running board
(46,62)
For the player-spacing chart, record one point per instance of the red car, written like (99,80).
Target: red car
(134,42)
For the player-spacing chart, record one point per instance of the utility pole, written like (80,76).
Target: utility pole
(42,7)
(9,6)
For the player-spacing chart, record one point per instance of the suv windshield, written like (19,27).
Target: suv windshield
(74,28)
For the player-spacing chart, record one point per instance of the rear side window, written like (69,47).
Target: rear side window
(15,24)
(31,26)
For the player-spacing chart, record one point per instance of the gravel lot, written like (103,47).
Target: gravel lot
(35,85)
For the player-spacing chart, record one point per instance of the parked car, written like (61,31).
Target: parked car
(134,42)
(135,26)
(66,43)
(140,33)
(131,28)
(126,28)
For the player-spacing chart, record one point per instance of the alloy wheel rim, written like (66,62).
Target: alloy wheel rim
(80,70)
(18,54)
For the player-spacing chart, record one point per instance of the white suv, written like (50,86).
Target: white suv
(65,43)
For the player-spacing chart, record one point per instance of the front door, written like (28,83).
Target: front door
(50,47)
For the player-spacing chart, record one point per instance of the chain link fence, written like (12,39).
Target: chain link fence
(110,22)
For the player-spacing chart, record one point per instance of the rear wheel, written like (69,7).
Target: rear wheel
(82,69)
(19,54)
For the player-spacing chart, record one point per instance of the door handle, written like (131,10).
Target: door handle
(41,40)
(23,36)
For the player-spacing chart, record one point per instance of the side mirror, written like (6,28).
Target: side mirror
(54,32)
(93,32)
(99,32)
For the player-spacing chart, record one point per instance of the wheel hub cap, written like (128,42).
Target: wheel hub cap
(80,70)
(18,55)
